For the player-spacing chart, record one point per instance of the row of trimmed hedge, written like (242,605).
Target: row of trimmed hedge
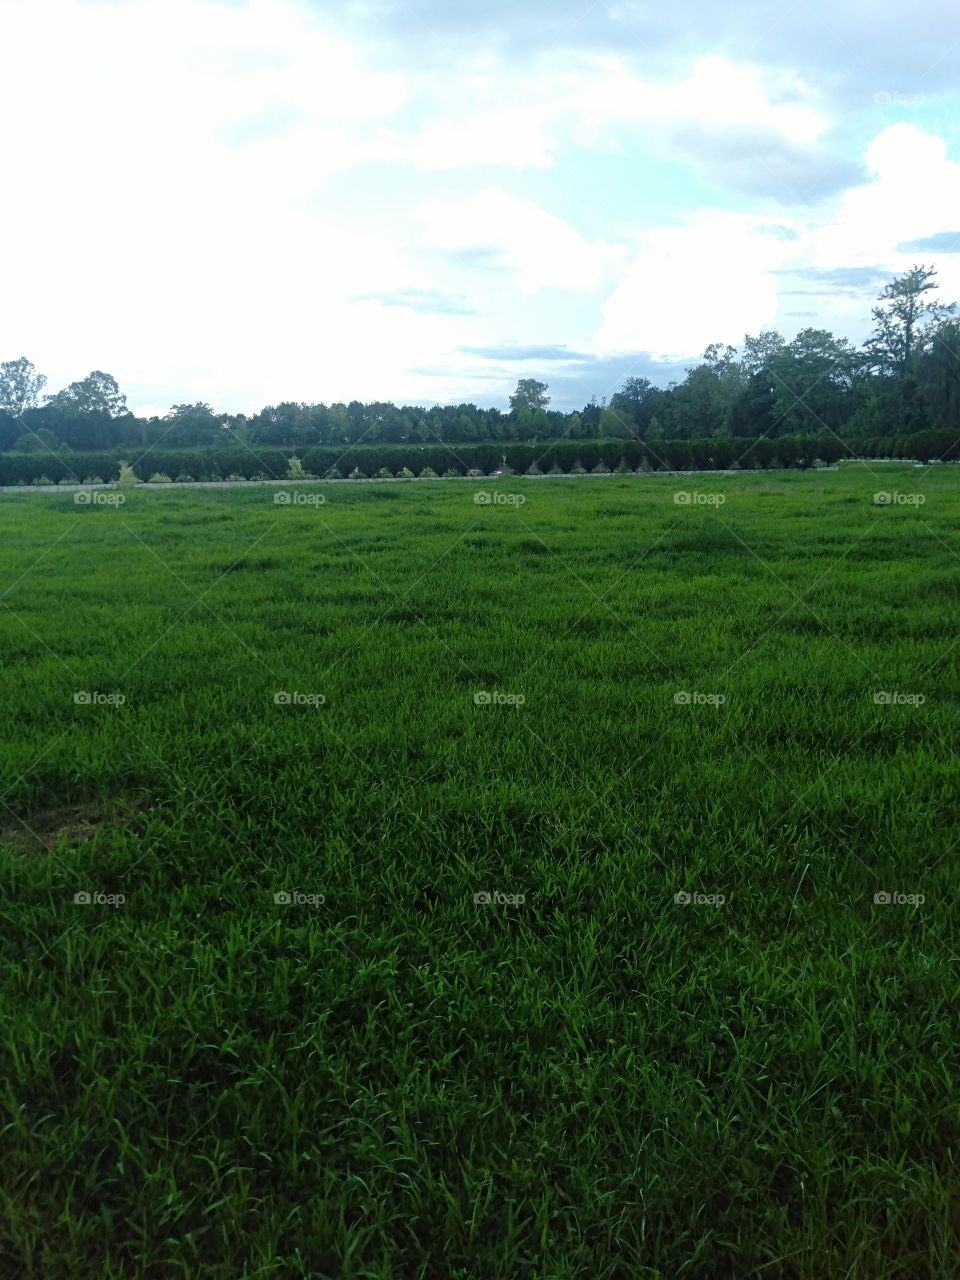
(564,456)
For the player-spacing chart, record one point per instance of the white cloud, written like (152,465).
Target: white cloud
(692,285)
(716,92)
(171,169)
(510,139)
(597,102)
(914,193)
(722,275)
(540,249)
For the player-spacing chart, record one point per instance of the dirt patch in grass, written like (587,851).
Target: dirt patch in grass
(46,829)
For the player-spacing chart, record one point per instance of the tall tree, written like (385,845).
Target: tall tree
(530,394)
(813,380)
(637,402)
(939,374)
(760,349)
(903,319)
(96,393)
(20,386)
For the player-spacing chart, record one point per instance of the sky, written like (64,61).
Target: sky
(250,201)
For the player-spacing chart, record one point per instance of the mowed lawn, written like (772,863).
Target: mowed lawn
(582,707)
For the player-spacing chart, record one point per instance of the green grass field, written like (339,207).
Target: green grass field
(582,706)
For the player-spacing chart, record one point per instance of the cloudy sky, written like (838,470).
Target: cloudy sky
(244,201)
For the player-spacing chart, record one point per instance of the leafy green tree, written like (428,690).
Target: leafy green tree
(96,393)
(760,349)
(530,394)
(192,424)
(20,386)
(695,407)
(900,330)
(903,324)
(637,402)
(10,429)
(41,441)
(939,374)
(752,412)
(729,371)
(814,379)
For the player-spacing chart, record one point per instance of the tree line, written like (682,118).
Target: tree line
(905,378)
